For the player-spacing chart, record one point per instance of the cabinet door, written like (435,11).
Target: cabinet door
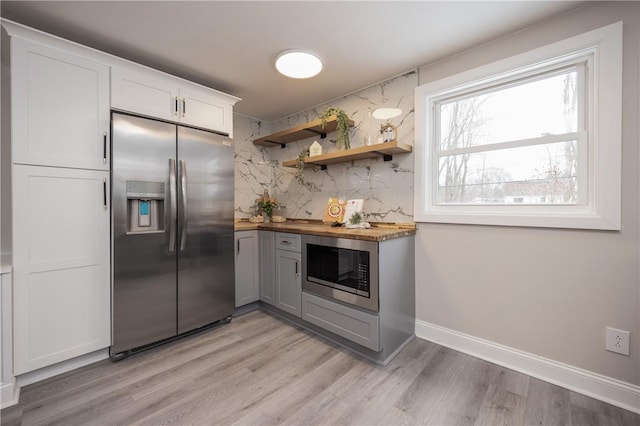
(247,267)
(146,93)
(60,108)
(205,108)
(61,264)
(267,267)
(288,281)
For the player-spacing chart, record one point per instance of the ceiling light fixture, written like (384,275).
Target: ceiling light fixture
(298,63)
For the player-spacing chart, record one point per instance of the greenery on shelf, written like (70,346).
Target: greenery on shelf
(300,165)
(342,141)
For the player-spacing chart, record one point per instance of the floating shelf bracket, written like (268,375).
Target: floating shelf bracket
(275,143)
(323,135)
(322,166)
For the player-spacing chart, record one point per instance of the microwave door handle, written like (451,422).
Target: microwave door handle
(183,200)
(172,205)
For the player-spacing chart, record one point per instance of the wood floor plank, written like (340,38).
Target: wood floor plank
(260,369)
(547,404)
(389,384)
(428,388)
(464,394)
(501,405)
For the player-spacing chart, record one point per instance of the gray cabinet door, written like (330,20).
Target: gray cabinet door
(267,256)
(246,264)
(288,281)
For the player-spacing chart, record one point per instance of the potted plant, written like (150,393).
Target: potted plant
(342,119)
(267,205)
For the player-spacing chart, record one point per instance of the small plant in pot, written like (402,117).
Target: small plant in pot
(267,206)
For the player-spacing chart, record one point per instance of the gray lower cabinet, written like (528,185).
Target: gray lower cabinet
(247,267)
(267,266)
(288,273)
(358,326)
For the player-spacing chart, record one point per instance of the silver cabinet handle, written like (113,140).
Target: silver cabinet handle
(104,192)
(287,242)
(172,205)
(296,267)
(183,200)
(175,110)
(104,148)
(184,106)
(238,247)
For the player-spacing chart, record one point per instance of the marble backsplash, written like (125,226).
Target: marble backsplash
(386,187)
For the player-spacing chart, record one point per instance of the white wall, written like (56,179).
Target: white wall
(549,292)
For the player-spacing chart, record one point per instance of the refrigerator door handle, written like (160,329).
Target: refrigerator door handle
(183,189)
(173,209)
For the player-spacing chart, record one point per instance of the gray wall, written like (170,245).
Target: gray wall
(550,292)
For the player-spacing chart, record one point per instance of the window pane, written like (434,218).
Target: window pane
(529,110)
(540,174)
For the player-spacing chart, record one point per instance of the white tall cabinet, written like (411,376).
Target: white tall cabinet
(60,211)
(61,97)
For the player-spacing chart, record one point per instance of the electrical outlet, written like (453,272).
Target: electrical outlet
(618,341)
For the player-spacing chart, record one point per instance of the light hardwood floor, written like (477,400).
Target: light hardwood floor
(260,369)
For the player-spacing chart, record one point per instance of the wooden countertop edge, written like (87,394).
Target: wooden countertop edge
(379,231)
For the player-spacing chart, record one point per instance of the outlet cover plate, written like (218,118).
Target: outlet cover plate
(618,341)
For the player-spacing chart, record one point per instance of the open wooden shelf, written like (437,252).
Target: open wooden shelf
(303,131)
(384,150)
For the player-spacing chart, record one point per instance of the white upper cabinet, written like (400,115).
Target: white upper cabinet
(59,108)
(151,93)
(147,93)
(207,109)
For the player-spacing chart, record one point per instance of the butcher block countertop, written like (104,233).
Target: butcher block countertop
(378,232)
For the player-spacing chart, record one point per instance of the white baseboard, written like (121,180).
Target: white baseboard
(9,394)
(61,367)
(612,391)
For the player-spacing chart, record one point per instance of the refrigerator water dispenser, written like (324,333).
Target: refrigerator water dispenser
(145,207)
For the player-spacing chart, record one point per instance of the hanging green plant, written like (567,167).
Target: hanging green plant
(300,165)
(342,119)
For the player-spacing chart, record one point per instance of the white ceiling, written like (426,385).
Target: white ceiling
(231,46)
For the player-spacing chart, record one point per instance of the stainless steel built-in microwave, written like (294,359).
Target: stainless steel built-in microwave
(341,269)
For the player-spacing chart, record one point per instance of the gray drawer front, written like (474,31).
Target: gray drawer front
(289,242)
(357,326)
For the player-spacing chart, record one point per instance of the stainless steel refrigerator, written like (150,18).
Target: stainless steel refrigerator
(172,229)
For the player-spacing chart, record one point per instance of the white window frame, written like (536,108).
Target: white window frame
(599,171)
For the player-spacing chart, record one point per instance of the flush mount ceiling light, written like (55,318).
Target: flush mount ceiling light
(298,64)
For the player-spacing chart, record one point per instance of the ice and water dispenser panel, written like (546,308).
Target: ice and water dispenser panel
(145,206)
